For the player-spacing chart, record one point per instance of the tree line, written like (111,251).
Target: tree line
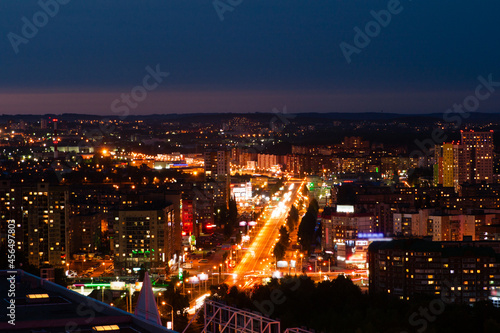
(340,306)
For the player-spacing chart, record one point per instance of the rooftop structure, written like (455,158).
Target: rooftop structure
(43,306)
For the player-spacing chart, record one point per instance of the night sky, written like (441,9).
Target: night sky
(264,54)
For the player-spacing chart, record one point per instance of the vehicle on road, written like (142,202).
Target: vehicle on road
(313,257)
(203,261)
(71,274)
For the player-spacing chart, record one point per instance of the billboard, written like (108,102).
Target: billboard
(345,209)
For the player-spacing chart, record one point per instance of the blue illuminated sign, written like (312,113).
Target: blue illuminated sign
(369,235)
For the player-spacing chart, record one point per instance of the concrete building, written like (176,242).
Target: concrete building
(467,161)
(10,198)
(218,170)
(479,152)
(174,225)
(241,192)
(266,161)
(87,233)
(451,227)
(339,227)
(187,216)
(463,272)
(143,236)
(45,223)
(411,224)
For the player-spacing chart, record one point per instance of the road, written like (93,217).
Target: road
(258,259)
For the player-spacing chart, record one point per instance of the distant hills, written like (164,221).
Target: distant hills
(221,117)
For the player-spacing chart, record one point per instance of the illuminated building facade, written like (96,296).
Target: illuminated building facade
(187,216)
(141,236)
(218,170)
(469,161)
(464,272)
(479,155)
(45,220)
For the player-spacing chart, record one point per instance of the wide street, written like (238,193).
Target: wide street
(258,259)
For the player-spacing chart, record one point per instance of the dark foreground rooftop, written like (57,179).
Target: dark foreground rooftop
(43,306)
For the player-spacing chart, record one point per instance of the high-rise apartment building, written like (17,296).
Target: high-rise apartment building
(478,148)
(450,151)
(218,170)
(9,213)
(45,223)
(463,272)
(467,161)
(449,163)
(87,233)
(141,236)
(187,216)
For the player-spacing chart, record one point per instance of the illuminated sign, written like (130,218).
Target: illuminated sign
(117,285)
(282,264)
(370,235)
(345,209)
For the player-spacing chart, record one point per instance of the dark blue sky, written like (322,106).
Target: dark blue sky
(264,54)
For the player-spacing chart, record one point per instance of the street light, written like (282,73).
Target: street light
(165,303)
(157,298)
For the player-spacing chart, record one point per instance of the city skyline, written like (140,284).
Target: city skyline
(204,203)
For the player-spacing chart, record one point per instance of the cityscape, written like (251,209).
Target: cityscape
(256,183)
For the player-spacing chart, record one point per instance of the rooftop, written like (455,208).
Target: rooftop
(447,249)
(52,308)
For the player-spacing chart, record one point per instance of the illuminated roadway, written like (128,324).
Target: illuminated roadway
(258,258)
